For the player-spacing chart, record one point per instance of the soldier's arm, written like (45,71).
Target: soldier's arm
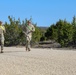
(4,30)
(33,28)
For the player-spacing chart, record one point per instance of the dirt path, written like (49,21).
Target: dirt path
(16,61)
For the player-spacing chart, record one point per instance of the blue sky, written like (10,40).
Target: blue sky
(43,12)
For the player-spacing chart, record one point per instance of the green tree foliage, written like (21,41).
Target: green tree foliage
(13,32)
(51,32)
(37,34)
(74,29)
(65,32)
(74,21)
(62,32)
(43,31)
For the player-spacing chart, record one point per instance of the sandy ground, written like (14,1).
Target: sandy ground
(16,61)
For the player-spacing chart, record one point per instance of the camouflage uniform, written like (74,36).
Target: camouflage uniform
(29,29)
(2,30)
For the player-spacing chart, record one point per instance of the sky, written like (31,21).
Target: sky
(43,12)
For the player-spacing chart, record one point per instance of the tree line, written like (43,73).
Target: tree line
(14,32)
(62,32)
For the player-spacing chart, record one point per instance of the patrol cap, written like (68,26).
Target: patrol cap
(29,21)
(0,22)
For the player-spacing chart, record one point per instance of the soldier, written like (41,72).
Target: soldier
(2,30)
(29,30)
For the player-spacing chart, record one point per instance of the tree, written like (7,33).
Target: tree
(51,32)
(65,32)
(13,32)
(74,29)
(61,32)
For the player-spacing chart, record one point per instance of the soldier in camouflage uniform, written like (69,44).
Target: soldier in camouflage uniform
(2,30)
(29,30)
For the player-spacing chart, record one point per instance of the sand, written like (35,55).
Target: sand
(16,61)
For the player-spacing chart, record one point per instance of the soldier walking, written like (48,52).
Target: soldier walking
(28,33)
(2,31)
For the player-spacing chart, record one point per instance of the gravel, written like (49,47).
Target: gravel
(38,61)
